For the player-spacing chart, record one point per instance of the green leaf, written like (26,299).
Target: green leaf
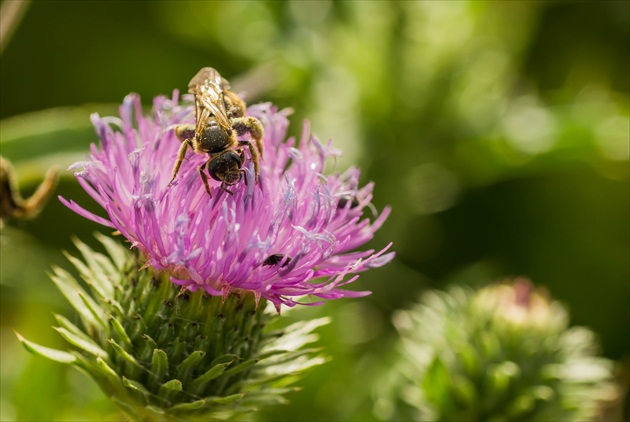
(490,345)
(96,270)
(300,333)
(184,370)
(251,381)
(211,374)
(267,397)
(116,252)
(224,400)
(105,264)
(159,365)
(501,376)
(464,391)
(436,385)
(94,308)
(173,385)
(543,393)
(183,407)
(120,331)
(241,367)
(90,277)
(52,354)
(522,405)
(155,410)
(149,341)
(106,369)
(170,389)
(102,373)
(270,353)
(123,353)
(224,359)
(71,290)
(469,359)
(134,385)
(81,342)
(65,323)
(286,356)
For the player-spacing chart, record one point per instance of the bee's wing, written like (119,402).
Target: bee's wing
(207,75)
(202,115)
(207,86)
(216,107)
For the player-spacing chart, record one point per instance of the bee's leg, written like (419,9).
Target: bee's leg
(180,157)
(204,178)
(234,104)
(254,153)
(224,187)
(185,132)
(244,176)
(251,125)
(241,155)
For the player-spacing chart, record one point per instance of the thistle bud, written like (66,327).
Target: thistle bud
(162,353)
(504,352)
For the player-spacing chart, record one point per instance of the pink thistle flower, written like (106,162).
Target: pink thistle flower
(289,235)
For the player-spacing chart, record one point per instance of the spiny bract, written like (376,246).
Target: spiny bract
(504,352)
(160,354)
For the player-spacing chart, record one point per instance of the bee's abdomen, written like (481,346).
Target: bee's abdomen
(215,139)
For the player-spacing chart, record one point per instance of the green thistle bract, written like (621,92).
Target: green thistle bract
(501,353)
(164,355)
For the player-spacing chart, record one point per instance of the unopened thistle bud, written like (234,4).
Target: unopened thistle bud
(163,354)
(504,352)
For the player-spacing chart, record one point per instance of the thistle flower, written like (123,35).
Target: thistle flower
(289,235)
(504,352)
(178,329)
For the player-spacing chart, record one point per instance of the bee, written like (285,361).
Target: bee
(220,120)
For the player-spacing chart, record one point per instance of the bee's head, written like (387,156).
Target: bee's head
(226,167)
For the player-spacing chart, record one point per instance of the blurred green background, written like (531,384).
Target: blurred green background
(497,131)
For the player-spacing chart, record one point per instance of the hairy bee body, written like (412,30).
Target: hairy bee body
(220,118)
